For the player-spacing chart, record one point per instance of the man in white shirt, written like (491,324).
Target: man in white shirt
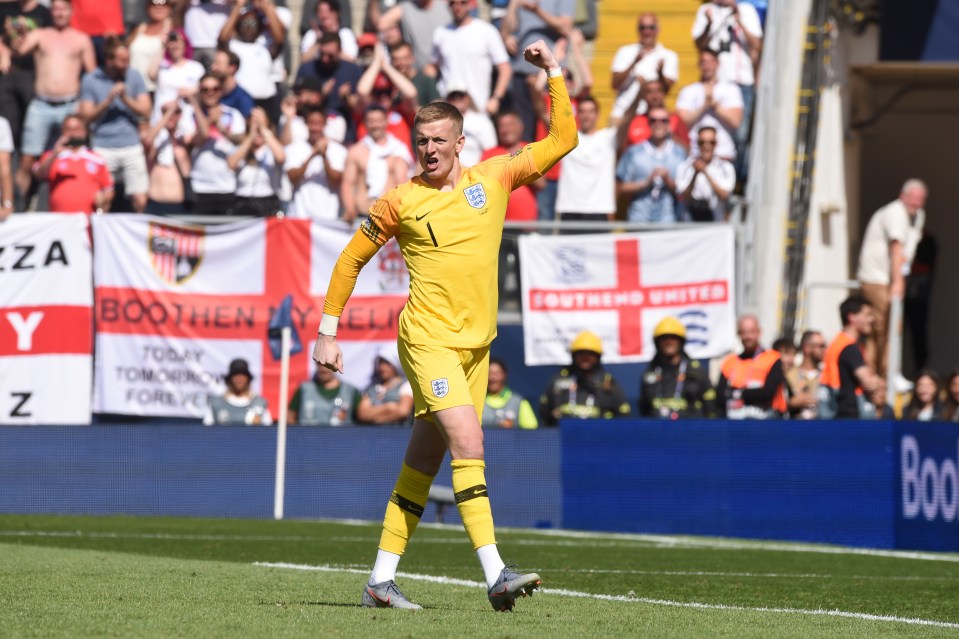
(465,53)
(640,62)
(734,30)
(586,188)
(705,181)
(211,130)
(478,129)
(315,169)
(888,247)
(711,102)
(374,165)
(241,35)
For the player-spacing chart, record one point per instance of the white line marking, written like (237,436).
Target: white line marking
(614,540)
(645,600)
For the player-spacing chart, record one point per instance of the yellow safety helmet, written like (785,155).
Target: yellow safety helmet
(670,326)
(587,341)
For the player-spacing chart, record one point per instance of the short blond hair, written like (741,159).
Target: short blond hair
(437,111)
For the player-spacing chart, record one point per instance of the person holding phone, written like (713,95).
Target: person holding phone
(80,180)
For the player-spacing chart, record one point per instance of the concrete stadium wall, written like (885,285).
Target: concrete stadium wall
(874,484)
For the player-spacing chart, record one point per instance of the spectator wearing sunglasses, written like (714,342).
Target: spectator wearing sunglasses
(641,62)
(705,180)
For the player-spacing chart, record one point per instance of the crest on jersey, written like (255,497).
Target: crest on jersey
(475,195)
(175,252)
(440,387)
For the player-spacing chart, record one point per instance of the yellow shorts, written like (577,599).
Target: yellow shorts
(444,377)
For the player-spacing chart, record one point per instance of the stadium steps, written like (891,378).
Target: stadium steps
(617,27)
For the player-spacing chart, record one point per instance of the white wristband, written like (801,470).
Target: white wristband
(555,72)
(328,324)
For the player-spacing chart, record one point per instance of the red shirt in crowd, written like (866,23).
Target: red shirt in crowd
(75,179)
(98,17)
(522,202)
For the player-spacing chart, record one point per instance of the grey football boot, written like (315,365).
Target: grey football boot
(509,586)
(386,595)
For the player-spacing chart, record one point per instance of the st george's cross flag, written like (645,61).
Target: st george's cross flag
(46,319)
(175,303)
(621,285)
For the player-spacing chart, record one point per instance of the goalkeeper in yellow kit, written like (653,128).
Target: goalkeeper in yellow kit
(448,221)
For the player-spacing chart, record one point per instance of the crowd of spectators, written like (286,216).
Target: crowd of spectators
(196,105)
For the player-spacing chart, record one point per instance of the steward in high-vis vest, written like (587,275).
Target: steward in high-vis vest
(239,405)
(675,386)
(751,385)
(848,387)
(584,390)
(505,408)
(324,400)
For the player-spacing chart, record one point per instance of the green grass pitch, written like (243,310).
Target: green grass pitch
(163,577)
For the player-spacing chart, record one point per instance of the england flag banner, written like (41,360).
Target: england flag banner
(621,286)
(175,303)
(46,319)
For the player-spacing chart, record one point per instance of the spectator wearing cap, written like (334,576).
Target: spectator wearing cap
(466,51)
(239,404)
(389,398)
(418,19)
(113,99)
(478,129)
(327,20)
(583,390)
(176,75)
(242,35)
(202,24)
(384,86)
(224,66)
(315,169)
(675,385)
(338,79)
(147,39)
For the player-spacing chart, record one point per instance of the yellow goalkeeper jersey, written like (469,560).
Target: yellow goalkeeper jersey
(450,239)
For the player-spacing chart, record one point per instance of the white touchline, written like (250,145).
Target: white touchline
(607,539)
(655,602)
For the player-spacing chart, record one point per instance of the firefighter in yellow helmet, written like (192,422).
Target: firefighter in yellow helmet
(583,390)
(675,385)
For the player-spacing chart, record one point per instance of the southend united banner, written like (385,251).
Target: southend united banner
(175,303)
(46,319)
(621,286)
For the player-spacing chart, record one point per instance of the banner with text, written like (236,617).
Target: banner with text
(46,320)
(621,286)
(175,303)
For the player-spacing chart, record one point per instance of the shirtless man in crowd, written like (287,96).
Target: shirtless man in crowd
(62,54)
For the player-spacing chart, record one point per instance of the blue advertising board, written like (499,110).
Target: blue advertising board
(926,490)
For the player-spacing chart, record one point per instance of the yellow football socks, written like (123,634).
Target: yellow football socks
(469,488)
(405,508)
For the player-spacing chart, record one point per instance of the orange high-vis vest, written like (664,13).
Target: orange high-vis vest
(752,373)
(830,361)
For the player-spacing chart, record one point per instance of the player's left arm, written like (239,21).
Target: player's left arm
(562,137)
(379,227)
